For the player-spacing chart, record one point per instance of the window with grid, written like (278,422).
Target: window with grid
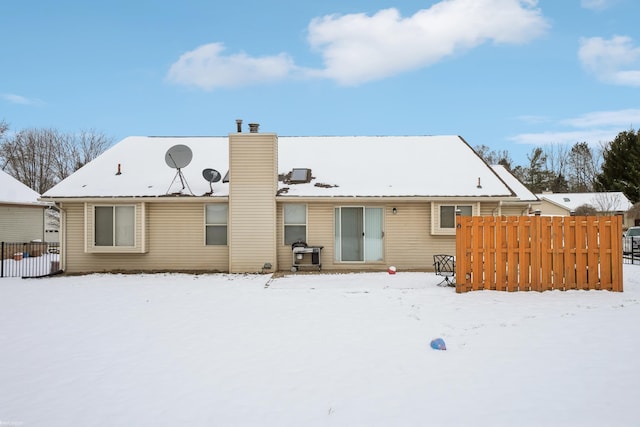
(216,224)
(295,223)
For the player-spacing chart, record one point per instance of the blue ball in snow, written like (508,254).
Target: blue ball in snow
(438,344)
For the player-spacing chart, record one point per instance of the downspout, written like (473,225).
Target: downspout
(527,211)
(497,208)
(62,236)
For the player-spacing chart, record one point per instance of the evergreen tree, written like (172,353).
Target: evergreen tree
(621,166)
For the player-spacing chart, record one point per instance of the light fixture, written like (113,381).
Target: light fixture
(394,211)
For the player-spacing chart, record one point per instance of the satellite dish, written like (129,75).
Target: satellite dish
(211,175)
(178,156)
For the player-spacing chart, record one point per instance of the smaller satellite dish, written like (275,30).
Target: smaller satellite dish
(178,156)
(211,175)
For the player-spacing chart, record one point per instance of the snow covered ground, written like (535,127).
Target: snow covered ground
(314,350)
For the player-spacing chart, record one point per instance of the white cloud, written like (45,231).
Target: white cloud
(615,61)
(357,48)
(206,67)
(622,118)
(19,99)
(591,137)
(596,4)
(592,128)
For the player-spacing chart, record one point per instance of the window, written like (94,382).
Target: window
(114,225)
(448,214)
(358,234)
(300,176)
(295,223)
(216,224)
(443,217)
(115,228)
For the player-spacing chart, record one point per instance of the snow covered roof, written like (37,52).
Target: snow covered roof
(521,191)
(14,192)
(604,202)
(430,166)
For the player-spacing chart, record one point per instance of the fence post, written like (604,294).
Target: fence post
(536,252)
(501,254)
(2,260)
(616,249)
(460,243)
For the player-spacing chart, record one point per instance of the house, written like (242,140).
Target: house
(22,215)
(238,203)
(605,203)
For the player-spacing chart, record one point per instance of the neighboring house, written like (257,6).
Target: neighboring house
(21,213)
(370,202)
(607,203)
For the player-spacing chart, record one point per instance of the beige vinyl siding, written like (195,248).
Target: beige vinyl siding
(175,242)
(487,209)
(548,208)
(252,206)
(408,239)
(319,233)
(512,210)
(21,223)
(408,242)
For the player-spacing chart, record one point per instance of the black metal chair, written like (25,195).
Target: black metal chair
(445,266)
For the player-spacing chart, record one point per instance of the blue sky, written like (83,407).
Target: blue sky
(509,74)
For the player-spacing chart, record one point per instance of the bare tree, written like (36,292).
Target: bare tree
(40,158)
(493,157)
(3,128)
(556,167)
(608,203)
(586,210)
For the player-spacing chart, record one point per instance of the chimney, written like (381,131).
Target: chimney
(239,124)
(253,127)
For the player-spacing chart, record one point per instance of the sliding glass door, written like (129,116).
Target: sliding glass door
(358,234)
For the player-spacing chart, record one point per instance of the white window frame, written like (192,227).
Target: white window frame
(436,228)
(138,246)
(373,246)
(224,224)
(286,224)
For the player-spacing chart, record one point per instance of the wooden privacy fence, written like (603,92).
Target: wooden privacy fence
(538,253)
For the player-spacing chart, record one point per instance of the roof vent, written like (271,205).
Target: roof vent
(239,125)
(253,127)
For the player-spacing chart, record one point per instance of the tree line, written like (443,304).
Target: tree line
(612,166)
(40,158)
